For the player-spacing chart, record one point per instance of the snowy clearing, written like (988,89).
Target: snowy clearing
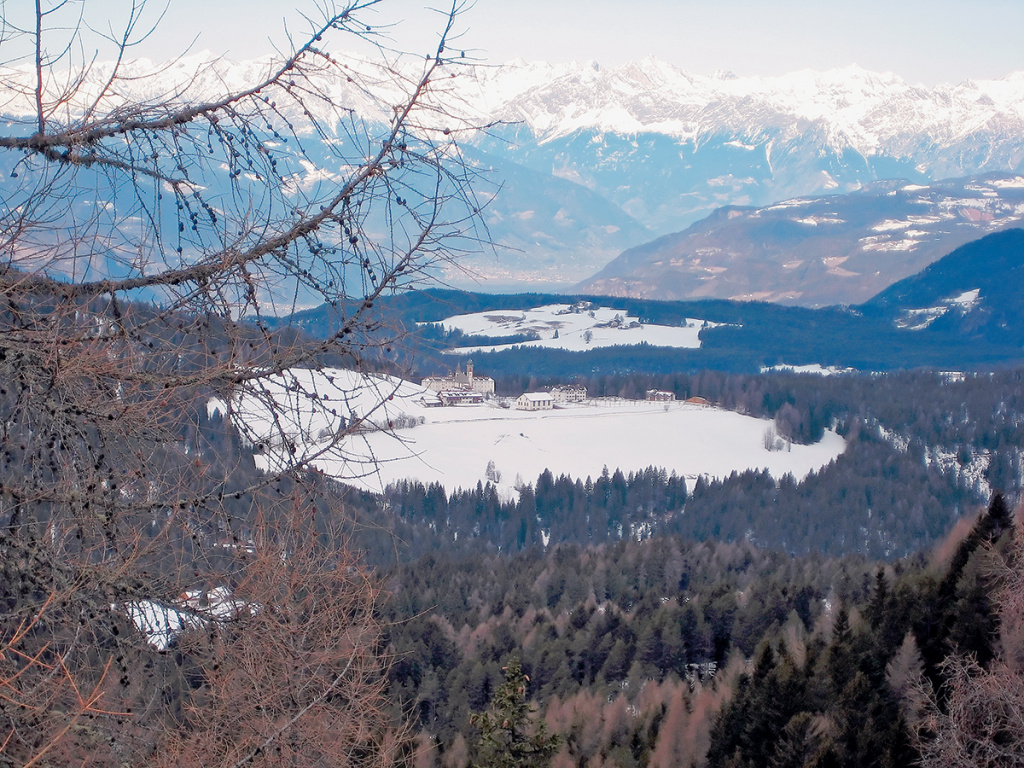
(572,327)
(918,319)
(966,300)
(454,445)
(813,368)
(161,622)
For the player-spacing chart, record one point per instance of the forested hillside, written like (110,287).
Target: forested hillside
(961,313)
(184,584)
(671,652)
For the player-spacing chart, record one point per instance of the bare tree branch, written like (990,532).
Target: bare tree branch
(169,594)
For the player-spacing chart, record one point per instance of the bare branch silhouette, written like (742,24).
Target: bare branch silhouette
(168,593)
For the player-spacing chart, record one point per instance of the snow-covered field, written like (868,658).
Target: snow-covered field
(560,326)
(454,445)
(815,368)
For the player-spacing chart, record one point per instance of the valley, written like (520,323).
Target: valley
(400,409)
(406,438)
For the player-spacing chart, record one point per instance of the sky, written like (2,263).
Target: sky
(923,41)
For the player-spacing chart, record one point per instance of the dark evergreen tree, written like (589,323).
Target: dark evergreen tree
(509,737)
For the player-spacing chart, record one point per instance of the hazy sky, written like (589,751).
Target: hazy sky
(927,41)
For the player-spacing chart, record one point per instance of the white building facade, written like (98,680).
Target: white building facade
(534,401)
(569,393)
(459,380)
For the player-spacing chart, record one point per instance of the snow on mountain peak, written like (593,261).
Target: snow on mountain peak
(856,107)
(861,108)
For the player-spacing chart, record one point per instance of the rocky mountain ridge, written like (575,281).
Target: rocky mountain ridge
(586,161)
(815,251)
(669,147)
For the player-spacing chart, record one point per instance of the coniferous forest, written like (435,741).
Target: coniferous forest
(733,622)
(747,620)
(672,652)
(183,585)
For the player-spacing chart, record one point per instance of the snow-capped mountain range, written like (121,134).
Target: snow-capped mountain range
(592,160)
(668,147)
(867,112)
(858,110)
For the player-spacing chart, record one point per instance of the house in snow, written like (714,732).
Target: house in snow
(460,397)
(568,393)
(461,381)
(658,396)
(534,401)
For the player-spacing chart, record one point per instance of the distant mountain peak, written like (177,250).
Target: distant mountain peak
(814,251)
(593,159)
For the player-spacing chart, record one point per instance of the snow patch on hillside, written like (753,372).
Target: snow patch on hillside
(572,327)
(814,221)
(917,319)
(1017,182)
(969,475)
(162,622)
(966,300)
(813,368)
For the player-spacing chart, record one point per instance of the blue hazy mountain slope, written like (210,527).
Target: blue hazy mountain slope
(973,293)
(816,251)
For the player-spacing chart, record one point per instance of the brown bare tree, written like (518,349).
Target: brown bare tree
(980,721)
(161,599)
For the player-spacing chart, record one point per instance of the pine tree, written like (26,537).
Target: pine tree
(509,738)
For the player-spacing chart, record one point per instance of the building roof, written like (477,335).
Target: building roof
(536,397)
(451,377)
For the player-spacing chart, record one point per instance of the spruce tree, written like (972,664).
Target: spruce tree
(509,738)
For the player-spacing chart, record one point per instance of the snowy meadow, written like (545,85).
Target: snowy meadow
(400,437)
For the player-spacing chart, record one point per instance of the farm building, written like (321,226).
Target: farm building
(534,401)
(658,395)
(568,393)
(460,397)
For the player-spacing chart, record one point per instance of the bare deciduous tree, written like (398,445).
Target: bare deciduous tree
(980,721)
(161,601)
